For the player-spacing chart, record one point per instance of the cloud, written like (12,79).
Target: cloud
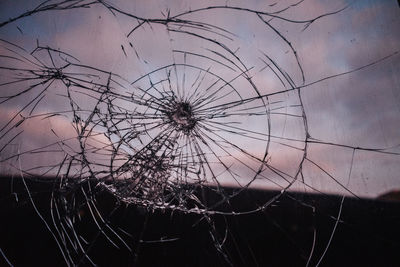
(357,109)
(53,137)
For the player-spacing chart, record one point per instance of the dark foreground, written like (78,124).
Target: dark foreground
(368,233)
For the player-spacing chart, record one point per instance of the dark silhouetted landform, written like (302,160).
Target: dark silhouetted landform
(368,232)
(393,195)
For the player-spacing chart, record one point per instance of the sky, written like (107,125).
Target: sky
(360,109)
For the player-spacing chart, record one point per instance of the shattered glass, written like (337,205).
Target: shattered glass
(189,107)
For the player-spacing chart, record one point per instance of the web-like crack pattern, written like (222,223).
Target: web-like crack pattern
(156,137)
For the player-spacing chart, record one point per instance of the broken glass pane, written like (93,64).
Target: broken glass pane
(206,111)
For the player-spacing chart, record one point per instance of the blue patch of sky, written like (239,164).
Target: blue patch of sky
(41,25)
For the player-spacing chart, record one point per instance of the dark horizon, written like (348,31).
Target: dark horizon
(367,235)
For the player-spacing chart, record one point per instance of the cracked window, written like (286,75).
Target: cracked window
(201,132)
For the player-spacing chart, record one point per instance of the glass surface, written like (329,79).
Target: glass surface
(186,106)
